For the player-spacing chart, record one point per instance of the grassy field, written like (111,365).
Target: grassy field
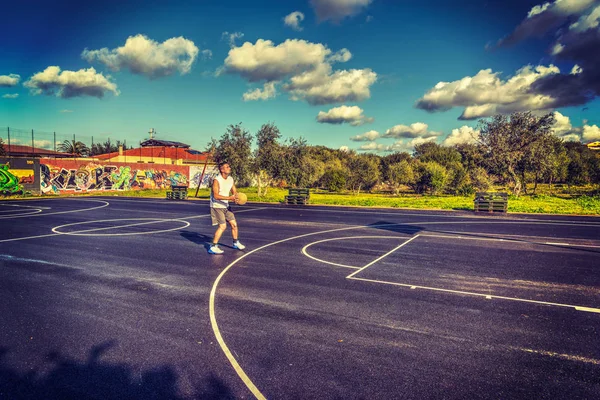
(547,201)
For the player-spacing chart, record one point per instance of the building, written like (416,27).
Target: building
(154,151)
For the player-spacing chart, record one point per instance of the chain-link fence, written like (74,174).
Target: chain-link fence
(16,141)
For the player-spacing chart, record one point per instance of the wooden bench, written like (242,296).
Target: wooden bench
(177,192)
(491,202)
(297,196)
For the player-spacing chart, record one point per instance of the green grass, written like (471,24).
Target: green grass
(549,201)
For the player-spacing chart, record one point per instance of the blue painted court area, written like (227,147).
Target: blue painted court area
(118,298)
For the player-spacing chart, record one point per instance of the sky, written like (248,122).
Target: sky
(367,75)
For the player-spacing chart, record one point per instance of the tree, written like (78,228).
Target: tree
(234,147)
(363,172)
(400,173)
(391,159)
(104,148)
(293,169)
(430,151)
(334,180)
(506,140)
(267,157)
(2,151)
(76,148)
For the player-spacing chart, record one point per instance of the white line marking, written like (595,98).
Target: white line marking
(558,244)
(487,296)
(28,237)
(383,256)
(341,238)
(21,205)
(153,221)
(61,212)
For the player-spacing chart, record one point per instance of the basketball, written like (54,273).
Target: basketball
(240,198)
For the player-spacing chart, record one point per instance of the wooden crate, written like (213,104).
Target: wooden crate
(491,202)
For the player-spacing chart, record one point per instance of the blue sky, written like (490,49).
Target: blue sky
(369,75)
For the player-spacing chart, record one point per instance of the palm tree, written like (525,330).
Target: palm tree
(74,147)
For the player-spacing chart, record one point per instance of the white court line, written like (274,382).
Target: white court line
(487,296)
(154,221)
(382,257)
(305,252)
(61,212)
(517,241)
(21,205)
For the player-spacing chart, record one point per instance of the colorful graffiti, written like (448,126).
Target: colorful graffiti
(9,182)
(93,176)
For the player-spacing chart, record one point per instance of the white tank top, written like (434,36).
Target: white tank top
(225,186)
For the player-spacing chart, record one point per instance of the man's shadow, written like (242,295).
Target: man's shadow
(201,239)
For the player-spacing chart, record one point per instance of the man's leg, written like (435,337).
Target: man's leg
(218,233)
(234,229)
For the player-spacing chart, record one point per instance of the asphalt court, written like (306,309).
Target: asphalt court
(316,290)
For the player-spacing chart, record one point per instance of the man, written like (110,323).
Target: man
(220,211)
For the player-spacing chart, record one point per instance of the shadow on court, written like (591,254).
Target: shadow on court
(397,228)
(197,238)
(95,379)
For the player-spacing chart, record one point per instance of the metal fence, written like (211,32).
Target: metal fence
(14,138)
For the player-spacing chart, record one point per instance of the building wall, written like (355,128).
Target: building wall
(61,176)
(19,175)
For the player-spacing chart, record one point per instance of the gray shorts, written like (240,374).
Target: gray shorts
(220,215)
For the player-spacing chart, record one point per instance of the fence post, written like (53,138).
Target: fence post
(32,141)
(8,140)
(55,143)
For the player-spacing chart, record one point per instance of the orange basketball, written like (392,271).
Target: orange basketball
(240,198)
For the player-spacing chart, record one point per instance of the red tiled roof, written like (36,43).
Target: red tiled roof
(18,149)
(158,153)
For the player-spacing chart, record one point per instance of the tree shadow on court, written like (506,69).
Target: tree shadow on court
(397,228)
(95,379)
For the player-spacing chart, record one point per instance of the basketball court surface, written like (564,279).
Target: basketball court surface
(110,297)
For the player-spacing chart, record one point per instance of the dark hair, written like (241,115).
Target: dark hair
(221,164)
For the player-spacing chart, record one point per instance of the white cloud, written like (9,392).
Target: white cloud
(9,80)
(344,148)
(231,37)
(369,18)
(562,126)
(464,134)
(293,20)
(485,94)
(66,111)
(207,54)
(10,96)
(353,115)
(585,22)
(366,137)
(545,17)
(308,66)
(268,91)
(398,146)
(418,129)
(337,10)
(591,133)
(144,56)
(66,84)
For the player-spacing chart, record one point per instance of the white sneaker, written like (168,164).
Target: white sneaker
(214,249)
(238,245)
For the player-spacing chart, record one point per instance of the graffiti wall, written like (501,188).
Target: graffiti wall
(59,176)
(18,175)
(196,173)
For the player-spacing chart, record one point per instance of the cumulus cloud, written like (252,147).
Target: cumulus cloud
(485,94)
(307,66)
(10,96)
(267,92)
(231,37)
(464,134)
(591,133)
(418,129)
(366,137)
(293,20)
(337,10)
(207,54)
(144,56)
(353,115)
(67,84)
(344,148)
(396,147)
(9,80)
(545,17)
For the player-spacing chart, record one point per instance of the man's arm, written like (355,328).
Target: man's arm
(216,195)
